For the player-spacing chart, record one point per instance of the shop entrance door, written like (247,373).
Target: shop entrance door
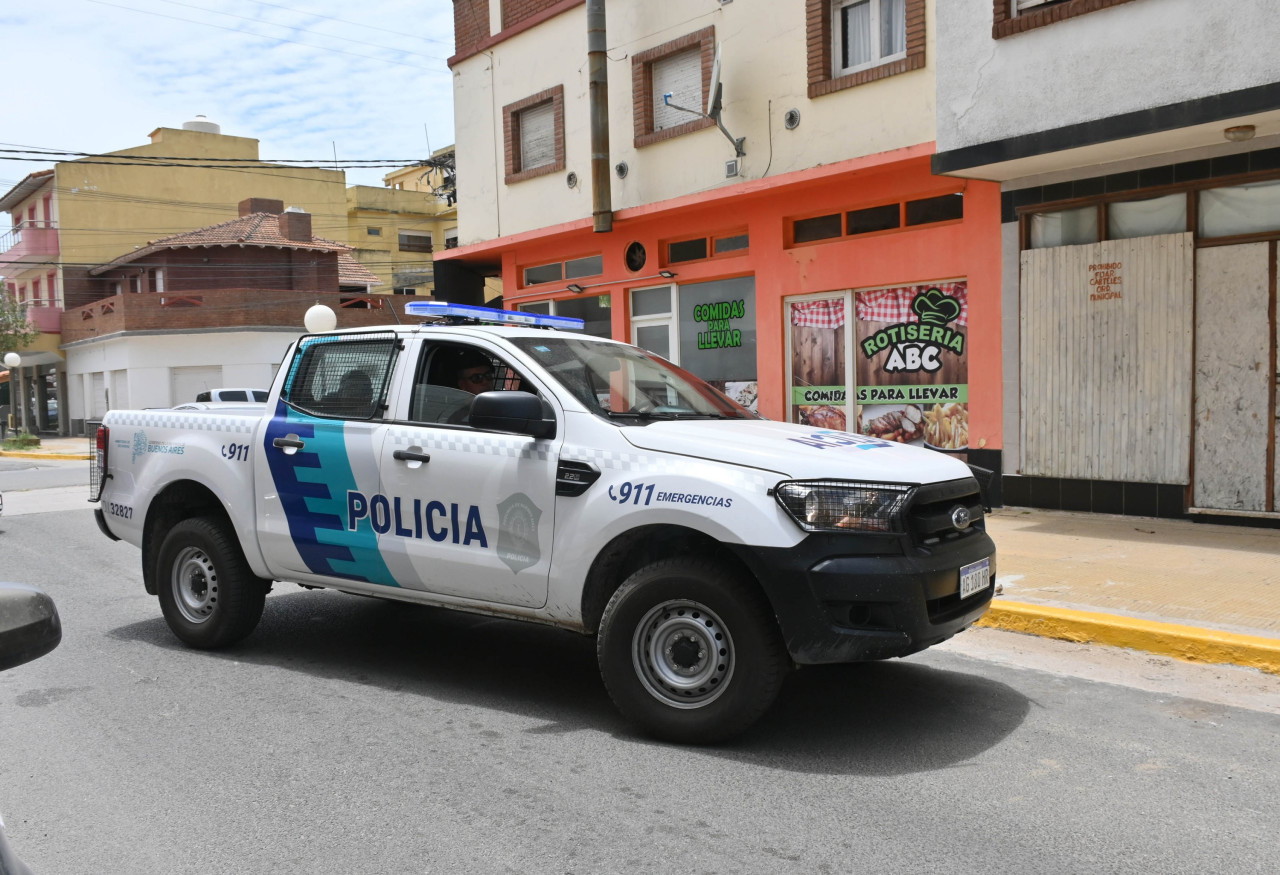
(1235,395)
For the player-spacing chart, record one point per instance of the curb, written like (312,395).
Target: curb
(1167,639)
(20,454)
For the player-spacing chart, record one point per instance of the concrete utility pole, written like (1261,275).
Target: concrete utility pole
(598,96)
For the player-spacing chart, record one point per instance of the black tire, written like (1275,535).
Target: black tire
(209,595)
(690,651)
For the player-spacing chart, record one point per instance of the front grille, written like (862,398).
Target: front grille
(929,518)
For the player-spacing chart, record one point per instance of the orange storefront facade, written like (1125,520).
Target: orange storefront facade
(860,296)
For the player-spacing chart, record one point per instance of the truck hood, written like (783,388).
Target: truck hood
(797,451)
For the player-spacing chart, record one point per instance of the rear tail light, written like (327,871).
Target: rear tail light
(98,473)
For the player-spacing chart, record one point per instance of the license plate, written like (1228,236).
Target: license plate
(975,577)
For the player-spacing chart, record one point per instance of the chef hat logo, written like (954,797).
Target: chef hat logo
(935,308)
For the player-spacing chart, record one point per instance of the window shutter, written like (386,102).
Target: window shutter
(537,136)
(681,75)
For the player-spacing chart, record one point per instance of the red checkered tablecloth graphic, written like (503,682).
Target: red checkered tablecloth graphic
(894,304)
(827,313)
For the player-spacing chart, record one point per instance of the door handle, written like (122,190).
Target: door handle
(410,456)
(288,443)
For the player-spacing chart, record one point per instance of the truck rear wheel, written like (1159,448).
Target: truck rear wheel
(690,652)
(209,595)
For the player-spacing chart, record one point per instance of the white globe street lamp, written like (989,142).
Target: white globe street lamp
(12,360)
(320,319)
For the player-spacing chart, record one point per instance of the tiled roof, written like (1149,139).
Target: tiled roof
(24,190)
(255,229)
(353,273)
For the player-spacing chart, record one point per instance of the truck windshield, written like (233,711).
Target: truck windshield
(627,383)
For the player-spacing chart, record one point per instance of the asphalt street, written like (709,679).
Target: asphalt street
(354,735)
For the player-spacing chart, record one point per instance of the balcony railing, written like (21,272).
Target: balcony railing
(225,308)
(28,241)
(45,316)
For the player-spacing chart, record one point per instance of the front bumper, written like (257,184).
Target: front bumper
(848,599)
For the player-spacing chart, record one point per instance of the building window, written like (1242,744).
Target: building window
(594,311)
(1064,227)
(373,232)
(886,217)
(574,268)
(653,323)
(873,219)
(935,209)
(853,42)
(1016,16)
(411,242)
(1147,218)
(451,238)
(866,33)
(687,250)
(1253,208)
(405,291)
(707,247)
(543,273)
(592,265)
(681,68)
(533,134)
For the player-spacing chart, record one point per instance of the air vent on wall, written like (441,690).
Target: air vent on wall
(792,119)
(621,169)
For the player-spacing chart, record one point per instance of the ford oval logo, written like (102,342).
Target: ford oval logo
(960,517)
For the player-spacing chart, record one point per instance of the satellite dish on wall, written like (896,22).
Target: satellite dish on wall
(713,94)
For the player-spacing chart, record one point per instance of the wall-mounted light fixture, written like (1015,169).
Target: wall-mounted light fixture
(1239,133)
(575,288)
(666,274)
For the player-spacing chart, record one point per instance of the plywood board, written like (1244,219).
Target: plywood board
(1106,360)
(1233,379)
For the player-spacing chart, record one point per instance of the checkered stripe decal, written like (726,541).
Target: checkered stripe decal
(465,441)
(185,421)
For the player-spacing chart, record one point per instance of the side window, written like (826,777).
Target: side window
(345,376)
(451,374)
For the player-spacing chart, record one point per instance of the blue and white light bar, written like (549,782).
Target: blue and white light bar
(444,309)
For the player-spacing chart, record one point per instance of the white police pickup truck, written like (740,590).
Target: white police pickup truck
(525,471)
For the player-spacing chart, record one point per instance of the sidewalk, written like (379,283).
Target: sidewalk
(1197,591)
(54,448)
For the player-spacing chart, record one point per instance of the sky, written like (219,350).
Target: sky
(365,80)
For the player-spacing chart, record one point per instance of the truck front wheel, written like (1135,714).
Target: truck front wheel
(690,652)
(209,595)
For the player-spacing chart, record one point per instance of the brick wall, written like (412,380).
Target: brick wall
(226,308)
(818,45)
(195,270)
(516,11)
(470,25)
(642,86)
(1005,24)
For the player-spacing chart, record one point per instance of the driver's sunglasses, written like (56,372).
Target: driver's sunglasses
(477,379)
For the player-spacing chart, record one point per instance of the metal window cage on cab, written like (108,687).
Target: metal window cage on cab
(465,313)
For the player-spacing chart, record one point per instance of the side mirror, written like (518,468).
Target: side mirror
(29,624)
(519,412)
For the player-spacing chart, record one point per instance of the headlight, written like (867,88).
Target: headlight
(842,505)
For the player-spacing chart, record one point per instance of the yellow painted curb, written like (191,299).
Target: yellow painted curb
(67,457)
(1168,639)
